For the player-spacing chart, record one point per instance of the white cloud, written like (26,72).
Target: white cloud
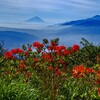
(49,8)
(48,4)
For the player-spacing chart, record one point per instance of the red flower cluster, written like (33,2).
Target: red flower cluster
(53,43)
(9,55)
(78,71)
(98,73)
(59,49)
(29,49)
(89,70)
(66,52)
(52,46)
(75,47)
(16,51)
(22,64)
(50,68)
(38,46)
(35,60)
(62,50)
(47,57)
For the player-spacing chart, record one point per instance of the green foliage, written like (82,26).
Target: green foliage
(87,55)
(16,90)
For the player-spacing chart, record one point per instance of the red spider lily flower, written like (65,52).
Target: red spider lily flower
(59,49)
(56,69)
(50,68)
(19,50)
(78,71)
(66,52)
(14,51)
(41,45)
(57,72)
(35,60)
(22,61)
(51,47)
(8,55)
(38,45)
(98,91)
(53,43)
(98,73)
(89,70)
(26,54)
(46,57)
(75,47)
(97,82)
(22,66)
(29,49)
(28,75)
(38,50)
(70,51)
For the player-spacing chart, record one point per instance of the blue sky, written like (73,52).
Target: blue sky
(54,11)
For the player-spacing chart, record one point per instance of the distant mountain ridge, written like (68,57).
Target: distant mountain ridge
(93,21)
(35,19)
(97,17)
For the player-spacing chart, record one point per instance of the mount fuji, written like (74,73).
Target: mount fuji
(35,19)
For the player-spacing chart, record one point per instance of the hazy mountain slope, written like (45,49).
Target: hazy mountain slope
(16,39)
(88,28)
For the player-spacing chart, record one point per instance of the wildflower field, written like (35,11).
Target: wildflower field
(49,71)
